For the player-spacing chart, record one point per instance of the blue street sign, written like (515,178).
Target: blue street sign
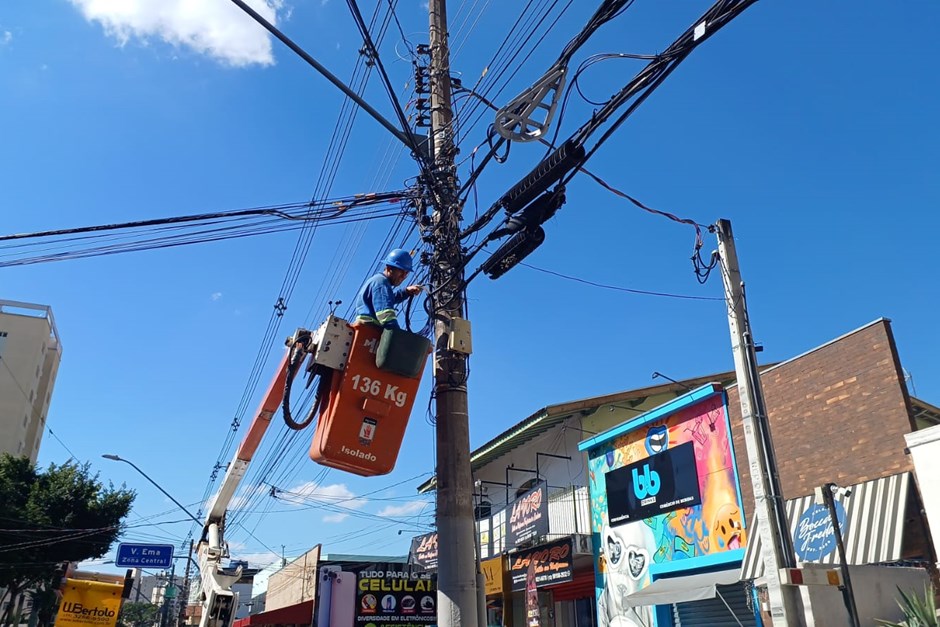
(144,555)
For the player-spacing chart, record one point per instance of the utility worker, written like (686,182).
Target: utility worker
(376,301)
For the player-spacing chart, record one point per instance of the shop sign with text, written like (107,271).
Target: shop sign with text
(552,564)
(424,551)
(655,485)
(89,604)
(493,575)
(527,517)
(395,595)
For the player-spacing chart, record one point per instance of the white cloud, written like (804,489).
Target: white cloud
(406,509)
(216,28)
(5,38)
(335,498)
(335,518)
(216,296)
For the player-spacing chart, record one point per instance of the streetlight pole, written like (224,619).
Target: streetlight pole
(848,594)
(116,458)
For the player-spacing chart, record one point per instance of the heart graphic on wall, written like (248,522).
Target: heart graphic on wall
(638,560)
(615,551)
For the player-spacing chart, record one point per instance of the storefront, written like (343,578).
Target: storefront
(552,585)
(497,590)
(559,592)
(668,526)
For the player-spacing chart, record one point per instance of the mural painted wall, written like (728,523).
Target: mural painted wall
(666,491)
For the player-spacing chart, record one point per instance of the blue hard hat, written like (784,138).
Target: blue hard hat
(400,259)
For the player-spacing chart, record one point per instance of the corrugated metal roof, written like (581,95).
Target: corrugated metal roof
(924,413)
(874,524)
(551,416)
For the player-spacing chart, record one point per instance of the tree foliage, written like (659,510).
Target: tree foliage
(137,615)
(60,514)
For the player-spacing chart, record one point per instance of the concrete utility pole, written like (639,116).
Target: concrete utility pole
(456,571)
(772,526)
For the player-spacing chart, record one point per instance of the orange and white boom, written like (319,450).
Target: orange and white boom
(219,601)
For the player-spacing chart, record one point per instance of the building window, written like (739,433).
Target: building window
(32,393)
(25,419)
(483,510)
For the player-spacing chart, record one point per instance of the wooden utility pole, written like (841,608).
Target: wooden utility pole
(772,527)
(456,571)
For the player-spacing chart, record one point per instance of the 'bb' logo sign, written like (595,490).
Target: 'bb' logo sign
(647,483)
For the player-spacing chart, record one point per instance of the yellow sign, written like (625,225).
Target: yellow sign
(89,604)
(493,575)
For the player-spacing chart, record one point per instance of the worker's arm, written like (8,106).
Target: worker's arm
(384,299)
(402,292)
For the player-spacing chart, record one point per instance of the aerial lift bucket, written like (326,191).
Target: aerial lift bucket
(362,424)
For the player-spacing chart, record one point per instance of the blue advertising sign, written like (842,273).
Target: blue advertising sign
(144,555)
(815,537)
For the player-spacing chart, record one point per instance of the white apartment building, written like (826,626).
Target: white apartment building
(30,352)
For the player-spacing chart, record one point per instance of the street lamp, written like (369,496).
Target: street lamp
(157,485)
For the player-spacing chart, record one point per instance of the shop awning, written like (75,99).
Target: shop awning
(683,589)
(874,525)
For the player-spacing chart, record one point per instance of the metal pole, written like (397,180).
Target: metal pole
(848,594)
(165,614)
(772,527)
(184,596)
(457,568)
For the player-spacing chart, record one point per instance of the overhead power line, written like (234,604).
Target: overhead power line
(404,135)
(619,288)
(106,239)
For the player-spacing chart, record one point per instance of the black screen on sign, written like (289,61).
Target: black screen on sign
(658,484)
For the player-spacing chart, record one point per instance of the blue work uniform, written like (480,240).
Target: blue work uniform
(376,302)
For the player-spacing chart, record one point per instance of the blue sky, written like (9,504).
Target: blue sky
(811,125)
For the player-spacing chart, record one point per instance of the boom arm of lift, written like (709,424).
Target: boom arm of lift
(219,601)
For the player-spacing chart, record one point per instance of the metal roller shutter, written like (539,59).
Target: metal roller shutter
(714,613)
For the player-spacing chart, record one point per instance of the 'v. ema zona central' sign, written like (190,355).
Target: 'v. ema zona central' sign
(144,555)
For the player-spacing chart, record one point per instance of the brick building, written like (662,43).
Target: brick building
(838,413)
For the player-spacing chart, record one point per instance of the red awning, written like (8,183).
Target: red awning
(300,614)
(580,587)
